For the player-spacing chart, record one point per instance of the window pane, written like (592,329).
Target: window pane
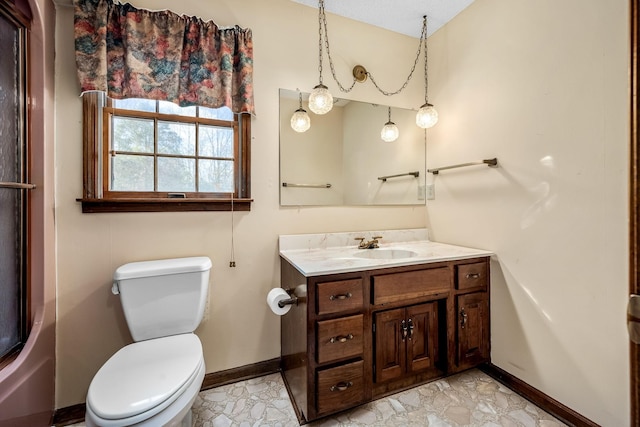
(131,173)
(215,141)
(177,138)
(12,227)
(135,104)
(167,107)
(222,113)
(176,174)
(216,176)
(135,135)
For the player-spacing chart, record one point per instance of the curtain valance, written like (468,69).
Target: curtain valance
(136,53)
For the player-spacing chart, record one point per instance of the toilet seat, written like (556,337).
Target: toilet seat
(144,378)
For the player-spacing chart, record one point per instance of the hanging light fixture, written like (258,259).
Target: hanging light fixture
(427,115)
(300,121)
(390,131)
(320,100)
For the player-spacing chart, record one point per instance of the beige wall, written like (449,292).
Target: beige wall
(542,85)
(240,329)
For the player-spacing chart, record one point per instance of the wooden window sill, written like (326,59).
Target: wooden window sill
(163,205)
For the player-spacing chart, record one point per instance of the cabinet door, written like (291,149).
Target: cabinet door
(422,339)
(473,329)
(389,345)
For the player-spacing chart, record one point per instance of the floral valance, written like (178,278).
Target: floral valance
(136,53)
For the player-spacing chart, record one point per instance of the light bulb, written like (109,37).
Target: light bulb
(300,121)
(389,132)
(320,100)
(427,116)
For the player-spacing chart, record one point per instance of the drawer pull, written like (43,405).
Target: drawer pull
(341,338)
(404,330)
(473,276)
(463,320)
(341,386)
(341,296)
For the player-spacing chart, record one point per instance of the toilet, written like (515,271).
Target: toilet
(155,380)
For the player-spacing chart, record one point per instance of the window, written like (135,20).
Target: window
(14,310)
(147,155)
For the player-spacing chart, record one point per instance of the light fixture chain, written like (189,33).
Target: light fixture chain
(423,39)
(426,79)
(320,15)
(323,24)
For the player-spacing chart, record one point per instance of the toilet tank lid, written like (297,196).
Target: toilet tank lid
(162,267)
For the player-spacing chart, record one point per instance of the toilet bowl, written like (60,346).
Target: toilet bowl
(155,380)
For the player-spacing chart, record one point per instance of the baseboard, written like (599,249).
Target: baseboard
(220,378)
(75,414)
(69,415)
(547,403)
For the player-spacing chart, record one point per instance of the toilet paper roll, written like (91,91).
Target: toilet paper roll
(274,296)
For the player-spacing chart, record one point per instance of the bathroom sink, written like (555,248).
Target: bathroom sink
(384,254)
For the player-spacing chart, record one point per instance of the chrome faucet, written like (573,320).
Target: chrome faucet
(371,244)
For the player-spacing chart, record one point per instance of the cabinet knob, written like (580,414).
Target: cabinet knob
(404,329)
(463,318)
(340,296)
(341,386)
(341,338)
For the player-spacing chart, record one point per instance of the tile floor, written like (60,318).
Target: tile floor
(468,399)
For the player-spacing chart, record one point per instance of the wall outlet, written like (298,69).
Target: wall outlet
(431,191)
(420,192)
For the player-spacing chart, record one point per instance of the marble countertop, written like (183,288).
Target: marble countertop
(321,254)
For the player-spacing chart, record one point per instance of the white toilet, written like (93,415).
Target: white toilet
(155,380)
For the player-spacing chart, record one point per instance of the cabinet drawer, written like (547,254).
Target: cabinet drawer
(471,275)
(340,387)
(339,338)
(395,287)
(342,295)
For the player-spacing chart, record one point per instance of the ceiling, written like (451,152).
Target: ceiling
(401,16)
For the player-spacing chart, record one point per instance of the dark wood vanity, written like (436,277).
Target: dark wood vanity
(354,337)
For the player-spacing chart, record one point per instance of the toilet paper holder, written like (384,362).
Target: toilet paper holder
(291,301)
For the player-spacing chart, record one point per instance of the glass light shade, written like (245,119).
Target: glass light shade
(389,132)
(427,116)
(320,100)
(300,121)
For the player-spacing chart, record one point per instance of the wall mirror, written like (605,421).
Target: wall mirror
(342,160)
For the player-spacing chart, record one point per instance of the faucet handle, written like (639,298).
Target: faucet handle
(359,238)
(377,237)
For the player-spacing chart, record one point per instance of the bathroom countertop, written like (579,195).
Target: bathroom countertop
(322,254)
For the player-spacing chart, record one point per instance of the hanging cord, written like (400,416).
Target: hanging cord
(322,18)
(232,262)
(423,39)
(426,79)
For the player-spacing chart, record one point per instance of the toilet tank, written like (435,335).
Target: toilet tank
(163,297)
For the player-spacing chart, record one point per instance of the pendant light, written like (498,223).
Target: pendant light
(300,121)
(427,115)
(320,100)
(389,132)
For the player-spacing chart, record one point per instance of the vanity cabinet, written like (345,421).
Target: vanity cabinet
(353,337)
